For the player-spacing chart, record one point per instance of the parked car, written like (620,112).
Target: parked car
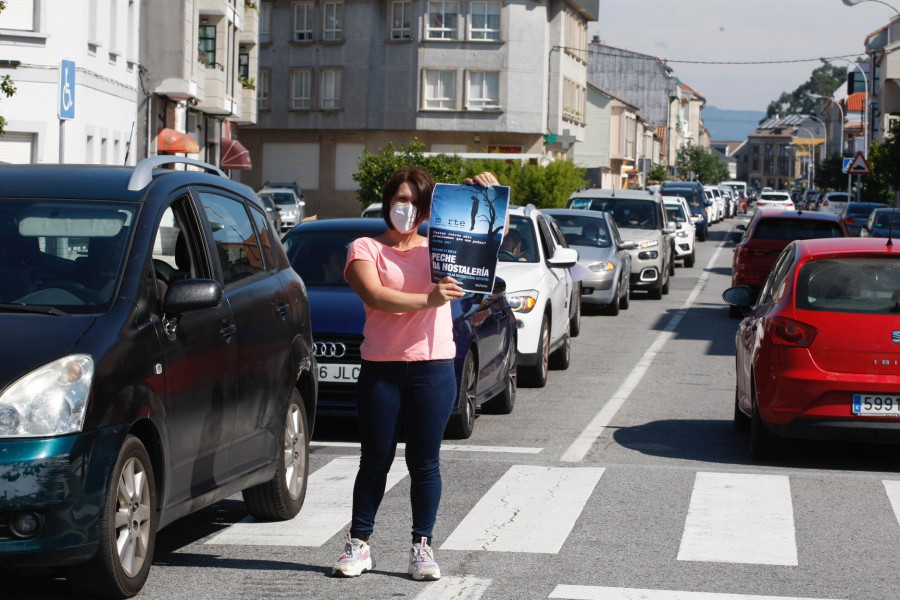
(372,211)
(539,286)
(856,214)
(808,199)
(774,201)
(483,327)
(158,358)
(679,213)
(696,198)
(882,223)
(713,193)
(272,211)
(817,353)
(767,234)
(641,218)
(602,252)
(289,200)
(833,202)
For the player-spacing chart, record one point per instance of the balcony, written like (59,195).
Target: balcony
(250,26)
(247,113)
(215,99)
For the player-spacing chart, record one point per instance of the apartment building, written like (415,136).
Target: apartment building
(782,151)
(75,65)
(340,76)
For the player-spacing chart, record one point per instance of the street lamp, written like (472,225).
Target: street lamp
(824,135)
(812,156)
(855,2)
(841,110)
(865,97)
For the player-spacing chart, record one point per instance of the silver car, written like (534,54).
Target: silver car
(603,255)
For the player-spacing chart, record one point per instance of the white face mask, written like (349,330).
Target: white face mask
(403,217)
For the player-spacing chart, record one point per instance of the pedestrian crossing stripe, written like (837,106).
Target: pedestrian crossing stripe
(893,491)
(455,588)
(584,592)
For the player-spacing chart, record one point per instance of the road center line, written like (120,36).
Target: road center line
(585,440)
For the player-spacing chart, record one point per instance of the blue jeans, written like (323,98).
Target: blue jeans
(415,398)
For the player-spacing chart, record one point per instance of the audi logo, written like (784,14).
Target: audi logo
(329,349)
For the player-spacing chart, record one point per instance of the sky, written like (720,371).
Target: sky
(740,31)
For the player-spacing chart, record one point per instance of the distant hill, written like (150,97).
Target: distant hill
(730,125)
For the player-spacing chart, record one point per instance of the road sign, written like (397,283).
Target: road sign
(846,165)
(859,166)
(67,89)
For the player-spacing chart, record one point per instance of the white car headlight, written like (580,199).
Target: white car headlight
(49,401)
(522,302)
(682,234)
(601,266)
(649,244)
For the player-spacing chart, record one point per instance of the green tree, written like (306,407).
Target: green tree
(658,173)
(829,173)
(6,85)
(876,187)
(706,167)
(822,81)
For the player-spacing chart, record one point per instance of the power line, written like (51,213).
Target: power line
(641,56)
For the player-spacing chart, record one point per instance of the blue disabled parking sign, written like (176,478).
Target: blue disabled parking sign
(67,89)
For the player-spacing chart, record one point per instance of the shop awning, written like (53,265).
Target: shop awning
(170,140)
(234,155)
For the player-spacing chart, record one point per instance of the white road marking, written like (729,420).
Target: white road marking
(585,440)
(444,447)
(892,488)
(584,592)
(529,509)
(740,518)
(455,588)
(326,512)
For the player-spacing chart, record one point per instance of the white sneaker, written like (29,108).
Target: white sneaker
(356,559)
(421,562)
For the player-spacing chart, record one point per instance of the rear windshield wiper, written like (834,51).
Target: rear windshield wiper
(32,308)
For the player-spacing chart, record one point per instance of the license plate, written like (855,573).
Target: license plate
(876,405)
(345,373)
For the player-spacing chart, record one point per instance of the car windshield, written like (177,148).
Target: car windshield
(628,213)
(676,213)
(855,209)
(62,254)
(319,257)
(281,198)
(795,229)
(520,242)
(883,219)
(584,230)
(775,197)
(850,285)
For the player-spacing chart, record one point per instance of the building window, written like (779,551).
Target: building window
(303,22)
(574,97)
(333,24)
(262,90)
(207,46)
(485,20)
(401,20)
(265,22)
(243,66)
(301,89)
(331,89)
(443,20)
(440,89)
(20,16)
(484,90)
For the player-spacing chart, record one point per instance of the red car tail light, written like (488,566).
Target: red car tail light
(788,332)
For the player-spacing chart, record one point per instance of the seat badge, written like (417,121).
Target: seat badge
(895,337)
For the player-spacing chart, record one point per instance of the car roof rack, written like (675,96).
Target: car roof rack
(143,172)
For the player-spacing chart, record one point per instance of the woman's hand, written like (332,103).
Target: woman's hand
(445,291)
(486,179)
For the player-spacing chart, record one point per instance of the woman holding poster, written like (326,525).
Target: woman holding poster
(406,376)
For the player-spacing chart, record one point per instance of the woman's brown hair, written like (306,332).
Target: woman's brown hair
(422,184)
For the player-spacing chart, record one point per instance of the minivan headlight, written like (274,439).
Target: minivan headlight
(522,302)
(49,401)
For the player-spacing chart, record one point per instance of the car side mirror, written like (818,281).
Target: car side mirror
(670,227)
(627,245)
(564,258)
(741,227)
(186,295)
(739,296)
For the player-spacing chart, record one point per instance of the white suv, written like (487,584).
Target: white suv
(289,201)
(540,288)
(679,213)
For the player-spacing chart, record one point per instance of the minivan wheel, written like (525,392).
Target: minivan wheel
(504,402)
(536,376)
(127,530)
(689,259)
(664,288)
(461,425)
(281,498)
(559,360)
(625,300)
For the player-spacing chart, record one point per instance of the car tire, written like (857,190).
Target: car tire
(129,514)
(625,300)
(656,293)
(559,360)
(764,445)
(461,425)
(690,259)
(536,376)
(664,287)
(575,320)
(741,421)
(281,498)
(504,402)
(612,309)
(672,263)
(702,235)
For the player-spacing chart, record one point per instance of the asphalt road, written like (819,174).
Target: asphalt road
(622,479)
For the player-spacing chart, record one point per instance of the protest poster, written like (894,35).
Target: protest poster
(464,234)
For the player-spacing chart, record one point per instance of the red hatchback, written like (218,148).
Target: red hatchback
(818,354)
(768,232)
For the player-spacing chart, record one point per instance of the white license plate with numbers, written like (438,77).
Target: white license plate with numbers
(345,373)
(876,405)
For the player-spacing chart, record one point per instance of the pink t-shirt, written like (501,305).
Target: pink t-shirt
(420,335)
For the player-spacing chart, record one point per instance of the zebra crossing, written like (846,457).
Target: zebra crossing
(739,518)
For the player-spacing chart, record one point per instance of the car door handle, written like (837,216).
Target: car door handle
(228,330)
(282,309)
